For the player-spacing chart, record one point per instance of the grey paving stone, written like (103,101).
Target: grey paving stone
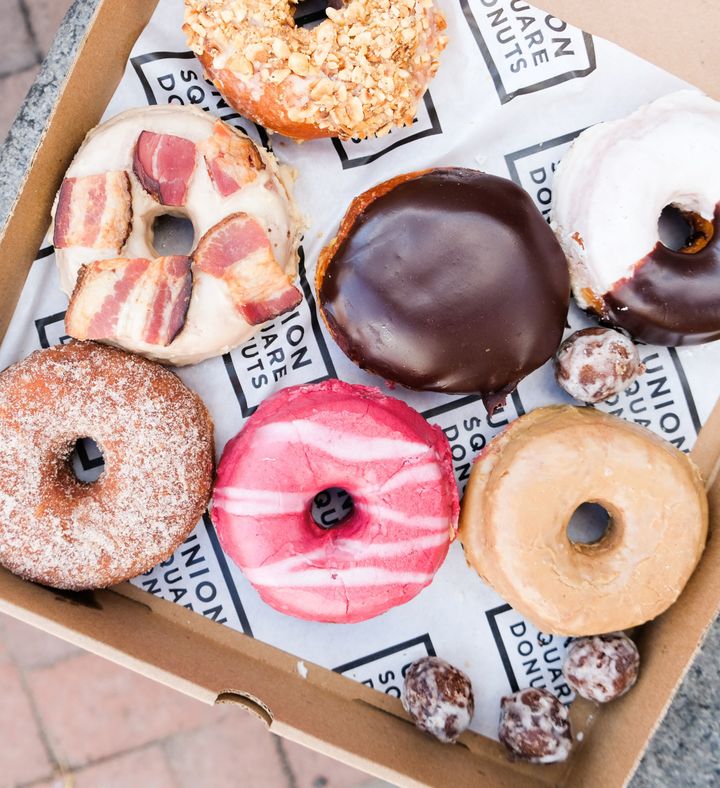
(24,135)
(20,51)
(12,92)
(45,18)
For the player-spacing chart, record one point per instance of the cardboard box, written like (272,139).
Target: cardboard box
(326,711)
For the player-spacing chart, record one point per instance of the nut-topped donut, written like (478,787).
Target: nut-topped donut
(526,486)
(156,438)
(360,72)
(608,194)
(177,161)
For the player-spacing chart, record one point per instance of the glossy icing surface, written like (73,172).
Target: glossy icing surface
(397,469)
(609,192)
(673,298)
(449,281)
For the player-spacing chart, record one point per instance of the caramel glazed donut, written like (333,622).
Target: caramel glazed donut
(156,437)
(179,309)
(608,194)
(360,72)
(523,491)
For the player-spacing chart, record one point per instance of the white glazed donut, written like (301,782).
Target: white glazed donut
(608,194)
(181,161)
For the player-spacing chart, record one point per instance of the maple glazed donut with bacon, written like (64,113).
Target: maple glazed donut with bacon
(360,72)
(181,309)
(396,467)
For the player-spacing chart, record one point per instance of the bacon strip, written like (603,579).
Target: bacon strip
(238,251)
(164,165)
(94,211)
(138,299)
(232,160)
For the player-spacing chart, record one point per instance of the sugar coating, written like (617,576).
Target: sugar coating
(603,667)
(535,727)
(157,441)
(439,698)
(594,364)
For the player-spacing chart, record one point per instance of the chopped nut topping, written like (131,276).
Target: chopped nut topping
(359,72)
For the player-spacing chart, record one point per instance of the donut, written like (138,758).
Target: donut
(594,364)
(535,726)
(397,469)
(602,668)
(523,491)
(360,72)
(608,194)
(417,284)
(156,438)
(180,309)
(439,698)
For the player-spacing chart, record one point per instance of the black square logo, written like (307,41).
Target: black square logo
(385,670)
(357,153)
(186,578)
(288,351)
(530,658)
(51,330)
(533,168)
(526,49)
(469,428)
(177,78)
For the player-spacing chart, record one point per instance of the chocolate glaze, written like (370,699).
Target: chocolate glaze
(450,281)
(672,298)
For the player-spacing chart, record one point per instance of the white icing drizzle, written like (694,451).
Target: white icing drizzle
(311,577)
(340,445)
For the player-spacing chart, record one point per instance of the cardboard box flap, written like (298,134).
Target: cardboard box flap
(679,37)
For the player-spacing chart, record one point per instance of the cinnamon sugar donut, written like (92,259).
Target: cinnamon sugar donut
(523,491)
(156,437)
(360,72)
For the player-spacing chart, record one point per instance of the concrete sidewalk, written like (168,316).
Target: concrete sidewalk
(68,718)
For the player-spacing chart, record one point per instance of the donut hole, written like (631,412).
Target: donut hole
(172,235)
(683,231)
(332,507)
(589,524)
(86,460)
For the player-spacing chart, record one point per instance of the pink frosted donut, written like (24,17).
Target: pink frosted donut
(396,467)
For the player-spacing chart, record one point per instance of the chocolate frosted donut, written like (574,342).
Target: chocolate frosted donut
(445,280)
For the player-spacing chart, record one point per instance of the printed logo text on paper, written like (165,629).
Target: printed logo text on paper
(526,49)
